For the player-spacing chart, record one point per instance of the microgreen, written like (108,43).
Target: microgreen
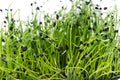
(78,45)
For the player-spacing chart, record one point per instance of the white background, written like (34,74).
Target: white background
(48,5)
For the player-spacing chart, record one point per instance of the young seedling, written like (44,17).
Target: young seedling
(77,45)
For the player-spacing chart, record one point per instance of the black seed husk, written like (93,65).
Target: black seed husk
(96,34)
(23,69)
(113,25)
(94,13)
(92,42)
(60,48)
(83,57)
(40,34)
(116,31)
(12,20)
(111,39)
(96,8)
(22,55)
(35,2)
(14,52)
(11,9)
(11,37)
(37,8)
(31,4)
(43,38)
(3,40)
(106,29)
(87,3)
(46,36)
(5,22)
(105,24)
(89,28)
(11,28)
(105,8)
(3,79)
(118,49)
(100,8)
(40,23)
(20,40)
(57,16)
(88,17)
(6,17)
(106,36)
(78,7)
(23,48)
(1,10)
(81,50)
(81,42)
(53,53)
(54,24)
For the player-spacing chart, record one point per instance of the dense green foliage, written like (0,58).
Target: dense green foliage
(78,45)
